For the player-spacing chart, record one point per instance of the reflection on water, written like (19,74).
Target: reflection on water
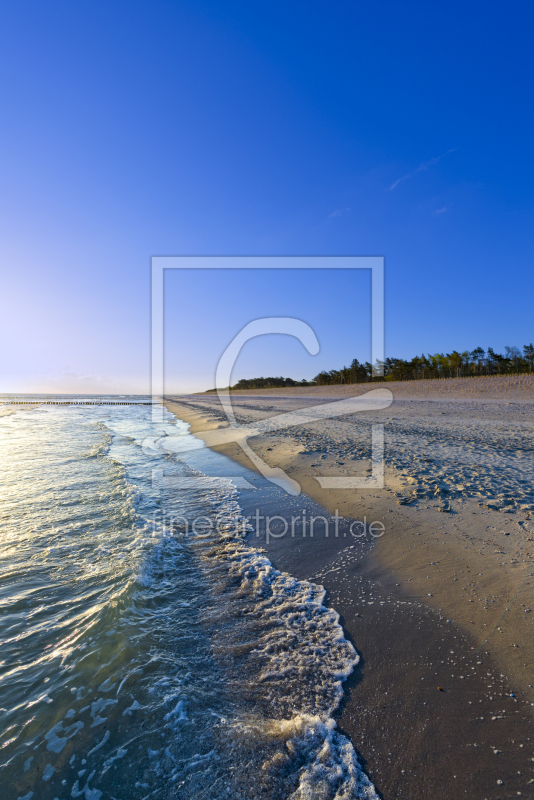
(136,663)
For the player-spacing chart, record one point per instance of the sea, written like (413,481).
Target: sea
(149,648)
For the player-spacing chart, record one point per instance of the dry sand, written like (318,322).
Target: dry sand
(516,388)
(446,597)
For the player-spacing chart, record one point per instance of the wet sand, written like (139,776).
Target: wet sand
(440,609)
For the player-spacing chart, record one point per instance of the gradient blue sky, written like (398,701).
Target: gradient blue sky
(133,129)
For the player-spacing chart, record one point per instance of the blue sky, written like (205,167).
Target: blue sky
(133,129)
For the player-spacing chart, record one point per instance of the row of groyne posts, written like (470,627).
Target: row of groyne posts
(71,401)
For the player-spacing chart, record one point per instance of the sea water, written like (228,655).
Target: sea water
(139,659)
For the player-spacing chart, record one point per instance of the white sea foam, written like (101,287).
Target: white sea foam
(223,670)
(285,657)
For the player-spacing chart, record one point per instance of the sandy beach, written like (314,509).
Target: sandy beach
(441,607)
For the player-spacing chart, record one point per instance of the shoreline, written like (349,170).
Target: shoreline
(436,599)
(505,567)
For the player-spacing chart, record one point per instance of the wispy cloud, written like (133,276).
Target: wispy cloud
(338,212)
(421,168)
(439,211)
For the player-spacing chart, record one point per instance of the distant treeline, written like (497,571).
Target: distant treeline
(269,383)
(440,365)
